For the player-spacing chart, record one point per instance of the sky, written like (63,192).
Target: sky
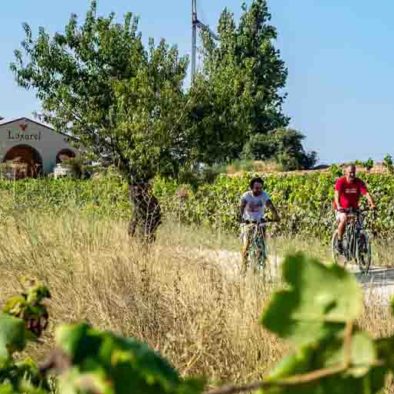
(338,53)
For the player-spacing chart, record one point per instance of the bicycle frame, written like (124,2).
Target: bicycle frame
(356,244)
(354,232)
(352,229)
(257,252)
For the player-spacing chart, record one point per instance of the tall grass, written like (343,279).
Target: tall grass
(204,319)
(183,297)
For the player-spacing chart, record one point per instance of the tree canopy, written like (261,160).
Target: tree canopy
(240,90)
(116,98)
(127,102)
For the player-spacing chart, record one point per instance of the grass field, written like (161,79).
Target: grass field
(180,302)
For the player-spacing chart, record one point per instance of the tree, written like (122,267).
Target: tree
(116,98)
(368,165)
(388,163)
(284,145)
(238,93)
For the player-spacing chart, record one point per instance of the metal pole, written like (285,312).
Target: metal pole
(194,36)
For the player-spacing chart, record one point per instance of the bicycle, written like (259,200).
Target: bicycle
(356,243)
(256,253)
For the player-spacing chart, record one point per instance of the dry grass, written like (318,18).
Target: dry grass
(204,321)
(180,301)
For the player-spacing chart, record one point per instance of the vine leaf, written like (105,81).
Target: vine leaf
(317,302)
(12,335)
(29,307)
(362,376)
(103,362)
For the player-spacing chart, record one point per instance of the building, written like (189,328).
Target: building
(31,147)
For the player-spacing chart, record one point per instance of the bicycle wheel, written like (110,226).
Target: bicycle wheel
(363,252)
(257,254)
(334,247)
(349,244)
(340,258)
(262,255)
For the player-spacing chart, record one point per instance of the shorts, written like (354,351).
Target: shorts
(339,216)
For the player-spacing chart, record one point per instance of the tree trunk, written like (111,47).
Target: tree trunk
(146,216)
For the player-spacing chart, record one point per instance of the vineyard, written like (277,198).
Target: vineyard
(304,201)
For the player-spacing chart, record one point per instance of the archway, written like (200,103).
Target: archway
(64,155)
(25,161)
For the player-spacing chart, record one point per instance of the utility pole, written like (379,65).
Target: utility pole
(194,36)
(197,24)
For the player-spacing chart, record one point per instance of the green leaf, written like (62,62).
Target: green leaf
(77,341)
(12,335)
(317,302)
(293,364)
(385,349)
(364,354)
(75,382)
(108,362)
(361,377)
(6,388)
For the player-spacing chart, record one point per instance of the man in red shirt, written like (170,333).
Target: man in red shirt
(348,191)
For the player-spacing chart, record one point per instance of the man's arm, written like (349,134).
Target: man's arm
(242,210)
(338,190)
(370,200)
(272,208)
(365,193)
(337,204)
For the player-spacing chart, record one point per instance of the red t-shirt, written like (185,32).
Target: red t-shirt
(350,192)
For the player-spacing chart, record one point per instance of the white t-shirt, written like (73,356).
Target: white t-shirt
(255,206)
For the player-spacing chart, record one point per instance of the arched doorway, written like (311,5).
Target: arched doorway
(25,161)
(64,155)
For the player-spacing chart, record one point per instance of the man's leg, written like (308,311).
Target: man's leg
(261,247)
(342,221)
(245,234)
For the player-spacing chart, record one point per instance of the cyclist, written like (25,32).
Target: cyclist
(252,209)
(348,191)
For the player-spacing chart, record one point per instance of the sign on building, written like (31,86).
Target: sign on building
(35,147)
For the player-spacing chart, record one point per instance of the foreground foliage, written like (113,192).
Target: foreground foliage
(316,311)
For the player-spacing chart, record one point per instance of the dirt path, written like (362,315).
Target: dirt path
(378,284)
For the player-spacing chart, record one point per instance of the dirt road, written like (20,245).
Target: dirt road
(378,284)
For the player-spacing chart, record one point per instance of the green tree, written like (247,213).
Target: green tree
(116,98)
(388,163)
(239,92)
(368,165)
(285,145)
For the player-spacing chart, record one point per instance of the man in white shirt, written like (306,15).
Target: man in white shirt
(252,210)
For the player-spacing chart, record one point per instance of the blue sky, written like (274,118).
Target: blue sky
(339,55)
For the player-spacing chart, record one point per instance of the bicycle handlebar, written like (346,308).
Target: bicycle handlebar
(265,221)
